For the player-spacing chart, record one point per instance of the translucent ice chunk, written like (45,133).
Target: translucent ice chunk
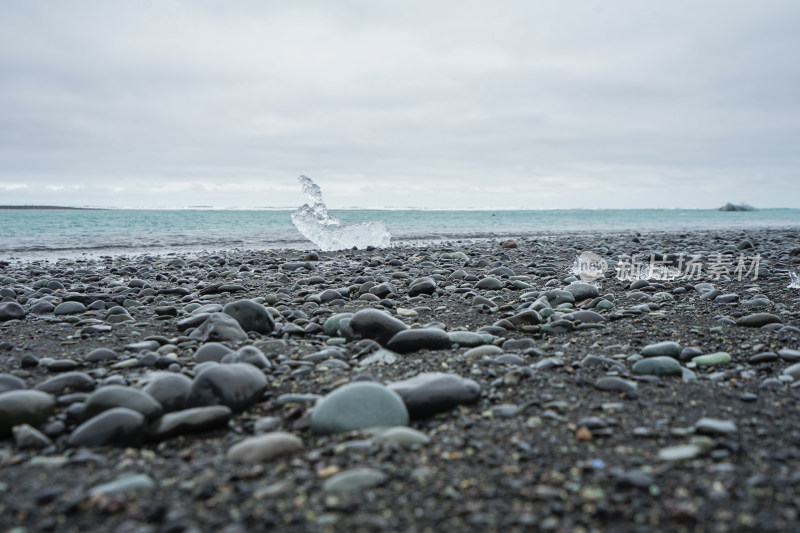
(795,280)
(325,230)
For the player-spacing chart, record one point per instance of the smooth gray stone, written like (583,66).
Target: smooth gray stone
(585,317)
(689,352)
(547,363)
(69,382)
(192,321)
(479,301)
(265,424)
(69,308)
(509,359)
(248,354)
(28,437)
(331,326)
(502,271)
(680,452)
(264,448)
(659,365)
(148,346)
(42,307)
(422,286)
(480,351)
(383,290)
(557,297)
(211,351)
(527,317)
(170,389)
(219,327)
(376,325)
(112,396)
(101,354)
(466,339)
(358,405)
(489,284)
(711,295)
(582,291)
(716,358)
(763,357)
(713,426)
(9,382)
(430,393)
(236,385)
(402,435)
(757,320)
(24,407)
(207,309)
(193,420)
(667,348)
(251,316)
(789,355)
(11,311)
(793,370)
(125,483)
(518,345)
(354,480)
(615,384)
(559,326)
(119,426)
(412,340)
(591,360)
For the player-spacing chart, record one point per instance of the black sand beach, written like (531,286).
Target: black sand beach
(560,406)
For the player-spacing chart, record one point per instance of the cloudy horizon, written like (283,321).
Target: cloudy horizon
(573,104)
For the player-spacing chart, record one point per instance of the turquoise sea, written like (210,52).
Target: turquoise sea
(53,233)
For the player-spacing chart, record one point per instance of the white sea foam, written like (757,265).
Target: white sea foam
(327,232)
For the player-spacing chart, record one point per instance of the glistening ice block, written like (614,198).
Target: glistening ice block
(327,232)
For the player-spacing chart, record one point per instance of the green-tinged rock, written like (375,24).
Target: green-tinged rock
(467,339)
(717,358)
(657,366)
(605,305)
(331,326)
(358,405)
(402,435)
(355,479)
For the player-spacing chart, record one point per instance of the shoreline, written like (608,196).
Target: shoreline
(601,406)
(79,254)
(53,207)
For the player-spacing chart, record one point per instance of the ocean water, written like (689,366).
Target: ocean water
(54,233)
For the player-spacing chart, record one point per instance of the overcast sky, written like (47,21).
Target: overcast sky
(548,104)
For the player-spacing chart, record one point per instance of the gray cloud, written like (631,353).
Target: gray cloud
(450,104)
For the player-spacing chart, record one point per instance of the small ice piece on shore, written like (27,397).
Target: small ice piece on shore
(795,280)
(327,232)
